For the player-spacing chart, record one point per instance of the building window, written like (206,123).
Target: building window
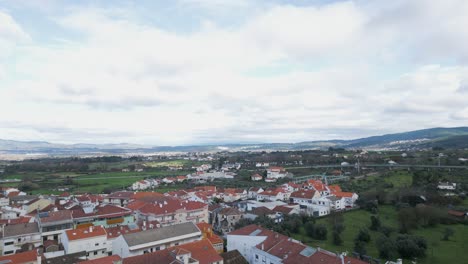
(256,256)
(8,252)
(9,243)
(97,244)
(95,253)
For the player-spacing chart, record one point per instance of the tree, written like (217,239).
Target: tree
(337,240)
(363,235)
(387,231)
(320,232)
(407,219)
(310,229)
(360,247)
(411,246)
(386,246)
(375,223)
(448,232)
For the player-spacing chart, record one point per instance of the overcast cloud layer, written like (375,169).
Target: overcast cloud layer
(210,71)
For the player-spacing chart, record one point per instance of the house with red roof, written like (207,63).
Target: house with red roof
(226,219)
(348,197)
(274,194)
(317,185)
(256,177)
(260,245)
(93,240)
(216,241)
(304,196)
(170,210)
(28,257)
(120,198)
(276,172)
(254,191)
(106,215)
(52,224)
(141,185)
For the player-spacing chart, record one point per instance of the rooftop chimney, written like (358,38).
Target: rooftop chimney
(91,229)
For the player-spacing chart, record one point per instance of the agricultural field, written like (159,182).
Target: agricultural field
(86,182)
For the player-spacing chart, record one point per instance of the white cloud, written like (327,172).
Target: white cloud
(287,73)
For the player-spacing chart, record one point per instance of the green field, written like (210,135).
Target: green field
(91,183)
(438,251)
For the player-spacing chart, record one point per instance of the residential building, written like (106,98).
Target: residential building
(446,186)
(226,219)
(119,198)
(276,172)
(277,194)
(28,257)
(151,240)
(197,252)
(304,196)
(52,224)
(19,237)
(93,240)
(106,215)
(170,210)
(256,177)
(208,233)
(254,191)
(260,245)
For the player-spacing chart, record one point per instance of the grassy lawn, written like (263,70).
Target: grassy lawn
(444,251)
(399,179)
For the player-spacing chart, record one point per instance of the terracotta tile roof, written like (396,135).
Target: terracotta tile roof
(317,185)
(343,194)
(262,210)
(19,220)
(233,257)
(57,216)
(170,206)
(207,231)
(84,233)
(289,250)
(145,195)
(276,168)
(230,211)
(202,251)
(160,256)
(334,188)
(105,260)
(113,232)
(20,258)
(64,194)
(13,194)
(135,205)
(206,188)
(304,194)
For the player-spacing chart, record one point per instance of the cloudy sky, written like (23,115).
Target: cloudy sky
(215,71)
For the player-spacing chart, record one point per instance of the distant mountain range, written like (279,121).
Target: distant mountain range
(456,137)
